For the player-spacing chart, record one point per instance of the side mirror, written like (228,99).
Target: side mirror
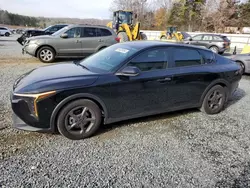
(129,71)
(64,35)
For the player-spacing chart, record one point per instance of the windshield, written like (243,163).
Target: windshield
(108,59)
(47,28)
(125,17)
(60,31)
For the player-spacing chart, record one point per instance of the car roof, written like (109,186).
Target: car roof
(148,44)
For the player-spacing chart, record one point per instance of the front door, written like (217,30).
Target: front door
(196,40)
(70,46)
(146,93)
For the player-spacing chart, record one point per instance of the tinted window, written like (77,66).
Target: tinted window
(151,60)
(89,32)
(198,37)
(187,57)
(2,28)
(208,57)
(74,32)
(225,39)
(105,32)
(217,38)
(108,59)
(208,37)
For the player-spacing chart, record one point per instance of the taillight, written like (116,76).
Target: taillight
(117,39)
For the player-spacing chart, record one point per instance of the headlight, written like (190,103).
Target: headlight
(32,99)
(31,42)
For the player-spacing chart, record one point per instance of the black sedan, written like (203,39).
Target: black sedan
(124,81)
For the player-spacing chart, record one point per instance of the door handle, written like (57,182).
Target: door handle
(100,40)
(164,79)
(78,41)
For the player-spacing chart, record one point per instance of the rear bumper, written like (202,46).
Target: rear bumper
(20,124)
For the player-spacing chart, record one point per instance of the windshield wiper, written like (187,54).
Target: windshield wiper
(79,64)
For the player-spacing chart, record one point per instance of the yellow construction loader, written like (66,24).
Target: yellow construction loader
(123,25)
(172,35)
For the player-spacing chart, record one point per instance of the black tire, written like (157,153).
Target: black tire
(123,37)
(7,34)
(143,36)
(76,132)
(221,53)
(242,66)
(163,37)
(221,96)
(50,52)
(215,49)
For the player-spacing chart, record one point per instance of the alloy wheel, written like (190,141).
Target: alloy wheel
(80,120)
(215,100)
(46,55)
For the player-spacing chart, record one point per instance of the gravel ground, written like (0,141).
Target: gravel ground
(181,149)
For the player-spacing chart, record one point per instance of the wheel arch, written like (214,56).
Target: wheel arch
(72,98)
(46,45)
(221,82)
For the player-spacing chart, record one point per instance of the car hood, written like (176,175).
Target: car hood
(54,77)
(41,37)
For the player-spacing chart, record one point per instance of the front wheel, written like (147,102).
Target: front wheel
(7,34)
(46,54)
(214,100)
(79,119)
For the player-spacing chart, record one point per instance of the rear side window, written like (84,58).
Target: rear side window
(217,38)
(208,57)
(104,32)
(187,57)
(225,39)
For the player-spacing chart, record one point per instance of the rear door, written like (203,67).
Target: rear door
(192,76)
(91,41)
(70,46)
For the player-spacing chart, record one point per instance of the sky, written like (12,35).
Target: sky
(59,8)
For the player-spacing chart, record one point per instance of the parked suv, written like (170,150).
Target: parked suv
(37,32)
(216,43)
(71,41)
(4,31)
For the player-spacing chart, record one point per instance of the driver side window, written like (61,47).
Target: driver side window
(151,60)
(74,32)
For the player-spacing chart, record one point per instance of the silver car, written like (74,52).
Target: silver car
(70,41)
(244,61)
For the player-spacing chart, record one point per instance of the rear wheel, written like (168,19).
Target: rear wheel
(143,36)
(214,49)
(7,34)
(163,37)
(79,119)
(214,100)
(46,54)
(123,37)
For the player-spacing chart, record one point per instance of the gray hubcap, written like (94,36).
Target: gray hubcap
(215,100)
(46,55)
(80,120)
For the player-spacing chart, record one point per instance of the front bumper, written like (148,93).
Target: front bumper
(30,49)
(20,124)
